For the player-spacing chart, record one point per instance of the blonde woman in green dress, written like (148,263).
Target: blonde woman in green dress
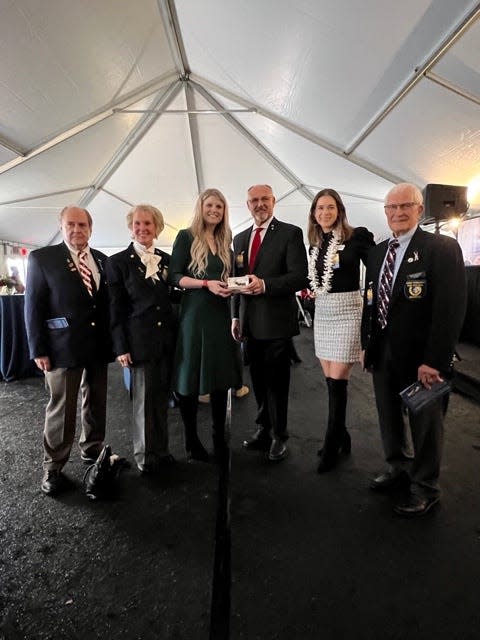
(205,356)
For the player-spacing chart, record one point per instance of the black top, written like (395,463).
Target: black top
(347,276)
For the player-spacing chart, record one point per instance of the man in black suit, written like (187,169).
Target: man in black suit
(66,316)
(266,313)
(413,313)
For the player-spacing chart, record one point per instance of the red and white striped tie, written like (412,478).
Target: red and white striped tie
(85,271)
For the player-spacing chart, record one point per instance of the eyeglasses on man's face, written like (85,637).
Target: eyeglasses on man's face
(403,206)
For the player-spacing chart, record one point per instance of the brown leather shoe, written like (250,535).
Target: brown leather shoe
(53,482)
(416,506)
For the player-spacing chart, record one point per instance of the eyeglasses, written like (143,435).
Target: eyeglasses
(263,200)
(404,206)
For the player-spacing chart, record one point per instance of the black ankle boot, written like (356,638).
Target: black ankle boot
(337,437)
(188,406)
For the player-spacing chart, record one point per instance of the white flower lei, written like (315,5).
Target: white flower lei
(330,254)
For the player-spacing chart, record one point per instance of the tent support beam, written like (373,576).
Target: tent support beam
(6,144)
(130,204)
(171,24)
(43,195)
(419,73)
(130,142)
(131,98)
(298,130)
(195,138)
(260,148)
(451,87)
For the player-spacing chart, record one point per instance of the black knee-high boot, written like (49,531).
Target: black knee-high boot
(337,436)
(218,404)
(188,406)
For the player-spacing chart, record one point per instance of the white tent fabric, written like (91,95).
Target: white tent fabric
(108,103)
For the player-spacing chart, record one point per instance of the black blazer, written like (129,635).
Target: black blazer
(282,263)
(54,289)
(427,305)
(142,320)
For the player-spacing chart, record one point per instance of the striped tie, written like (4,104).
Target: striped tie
(386,283)
(85,271)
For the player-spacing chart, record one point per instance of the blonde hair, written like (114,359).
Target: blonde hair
(222,235)
(314,231)
(155,213)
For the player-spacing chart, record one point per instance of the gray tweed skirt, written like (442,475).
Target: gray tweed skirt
(336,327)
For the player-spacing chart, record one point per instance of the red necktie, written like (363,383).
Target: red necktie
(257,241)
(85,271)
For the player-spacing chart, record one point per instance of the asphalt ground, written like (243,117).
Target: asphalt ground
(311,556)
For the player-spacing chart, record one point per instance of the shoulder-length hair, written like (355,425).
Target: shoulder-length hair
(222,236)
(156,214)
(342,227)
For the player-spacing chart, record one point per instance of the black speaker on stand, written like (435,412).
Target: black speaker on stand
(442,202)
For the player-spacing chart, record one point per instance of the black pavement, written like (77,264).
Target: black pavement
(311,556)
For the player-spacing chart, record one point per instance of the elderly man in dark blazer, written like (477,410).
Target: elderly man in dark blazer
(415,298)
(143,332)
(66,316)
(273,254)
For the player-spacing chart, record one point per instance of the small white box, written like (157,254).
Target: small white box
(238,283)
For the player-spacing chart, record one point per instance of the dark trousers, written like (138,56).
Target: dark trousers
(426,428)
(270,372)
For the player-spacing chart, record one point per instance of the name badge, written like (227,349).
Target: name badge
(415,286)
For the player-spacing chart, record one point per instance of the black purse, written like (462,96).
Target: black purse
(416,397)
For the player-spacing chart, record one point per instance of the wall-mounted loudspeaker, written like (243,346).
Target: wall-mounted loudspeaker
(442,201)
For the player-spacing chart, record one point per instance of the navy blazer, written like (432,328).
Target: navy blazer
(282,263)
(142,319)
(427,305)
(55,289)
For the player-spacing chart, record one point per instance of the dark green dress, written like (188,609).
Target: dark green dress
(206,356)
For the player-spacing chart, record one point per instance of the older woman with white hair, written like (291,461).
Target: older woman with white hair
(143,332)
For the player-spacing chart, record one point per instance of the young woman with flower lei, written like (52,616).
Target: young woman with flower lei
(336,250)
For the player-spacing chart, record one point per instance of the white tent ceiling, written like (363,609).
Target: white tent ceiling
(97,102)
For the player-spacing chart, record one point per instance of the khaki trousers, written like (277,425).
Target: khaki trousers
(61,412)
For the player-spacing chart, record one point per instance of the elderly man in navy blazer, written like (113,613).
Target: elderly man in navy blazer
(266,313)
(66,316)
(415,299)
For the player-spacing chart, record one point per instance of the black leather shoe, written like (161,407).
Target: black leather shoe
(89,458)
(390,480)
(53,482)
(278,451)
(260,441)
(416,506)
